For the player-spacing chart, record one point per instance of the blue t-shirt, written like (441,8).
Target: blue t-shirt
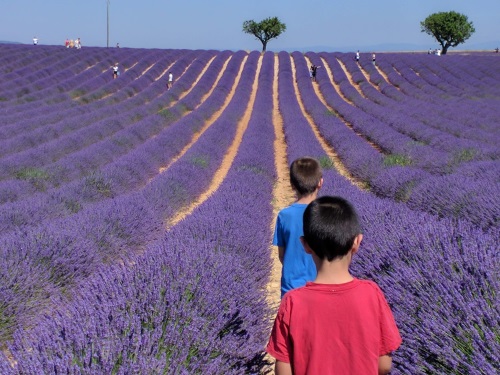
(298,266)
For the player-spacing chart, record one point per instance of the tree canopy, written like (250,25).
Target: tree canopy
(449,28)
(264,30)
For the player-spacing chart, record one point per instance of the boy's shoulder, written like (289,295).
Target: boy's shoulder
(356,285)
(292,209)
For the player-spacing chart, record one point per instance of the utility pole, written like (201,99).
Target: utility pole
(107,23)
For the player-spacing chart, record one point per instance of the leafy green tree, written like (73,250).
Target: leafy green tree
(449,28)
(264,30)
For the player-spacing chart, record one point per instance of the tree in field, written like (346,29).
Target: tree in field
(264,30)
(449,28)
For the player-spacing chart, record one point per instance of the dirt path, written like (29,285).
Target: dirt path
(382,73)
(329,150)
(283,194)
(367,77)
(228,159)
(349,77)
(347,123)
(164,72)
(334,84)
(212,118)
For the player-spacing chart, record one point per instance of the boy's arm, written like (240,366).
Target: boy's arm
(384,364)
(282,368)
(281,253)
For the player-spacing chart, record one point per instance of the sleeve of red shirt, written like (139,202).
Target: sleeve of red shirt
(390,339)
(279,342)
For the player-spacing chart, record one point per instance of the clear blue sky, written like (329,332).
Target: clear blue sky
(204,24)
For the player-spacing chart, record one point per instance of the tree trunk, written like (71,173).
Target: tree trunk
(445,49)
(264,45)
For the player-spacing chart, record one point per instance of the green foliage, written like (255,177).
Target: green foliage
(464,155)
(404,192)
(166,114)
(5,322)
(449,28)
(37,177)
(72,206)
(95,184)
(395,159)
(326,162)
(200,161)
(252,168)
(30,173)
(264,30)
(137,117)
(76,93)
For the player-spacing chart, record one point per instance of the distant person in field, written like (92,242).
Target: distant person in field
(373,58)
(496,50)
(35,41)
(117,45)
(116,71)
(66,43)
(71,43)
(78,43)
(337,324)
(170,81)
(306,178)
(311,69)
(357,56)
(314,69)
(430,51)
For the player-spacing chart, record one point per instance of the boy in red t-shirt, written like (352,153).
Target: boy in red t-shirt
(337,324)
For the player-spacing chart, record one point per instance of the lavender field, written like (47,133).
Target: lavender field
(135,221)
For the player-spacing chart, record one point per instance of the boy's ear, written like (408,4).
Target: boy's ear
(320,184)
(356,243)
(305,245)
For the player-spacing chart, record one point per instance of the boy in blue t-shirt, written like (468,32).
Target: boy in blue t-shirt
(298,267)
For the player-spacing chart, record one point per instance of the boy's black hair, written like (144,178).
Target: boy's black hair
(330,226)
(305,175)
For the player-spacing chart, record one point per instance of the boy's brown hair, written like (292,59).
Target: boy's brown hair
(305,175)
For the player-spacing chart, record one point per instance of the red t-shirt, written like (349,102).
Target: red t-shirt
(334,329)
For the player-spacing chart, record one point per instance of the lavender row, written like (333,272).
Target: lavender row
(138,320)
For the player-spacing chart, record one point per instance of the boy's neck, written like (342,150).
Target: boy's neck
(334,272)
(306,199)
